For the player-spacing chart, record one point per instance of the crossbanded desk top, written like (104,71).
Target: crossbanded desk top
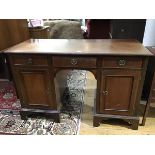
(81,47)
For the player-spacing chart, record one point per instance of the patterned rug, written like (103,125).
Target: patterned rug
(72,100)
(8,98)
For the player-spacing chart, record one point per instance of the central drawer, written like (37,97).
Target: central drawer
(81,62)
(122,62)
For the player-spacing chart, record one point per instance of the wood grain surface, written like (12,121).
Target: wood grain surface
(81,47)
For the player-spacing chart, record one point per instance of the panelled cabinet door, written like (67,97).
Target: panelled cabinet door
(36,90)
(118,91)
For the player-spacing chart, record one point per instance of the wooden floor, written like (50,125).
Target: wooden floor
(111,127)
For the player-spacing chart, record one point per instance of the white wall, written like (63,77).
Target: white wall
(149,33)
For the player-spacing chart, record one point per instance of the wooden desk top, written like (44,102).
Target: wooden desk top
(81,47)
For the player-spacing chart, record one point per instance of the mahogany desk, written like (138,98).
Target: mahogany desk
(118,65)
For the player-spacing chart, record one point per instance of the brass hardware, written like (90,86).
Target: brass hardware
(105,92)
(48,90)
(73,61)
(121,62)
(29,61)
(122,30)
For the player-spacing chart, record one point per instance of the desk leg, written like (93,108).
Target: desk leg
(135,124)
(146,112)
(96,121)
(25,113)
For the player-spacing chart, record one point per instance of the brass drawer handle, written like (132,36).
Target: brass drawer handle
(122,30)
(121,62)
(29,61)
(48,91)
(105,92)
(74,61)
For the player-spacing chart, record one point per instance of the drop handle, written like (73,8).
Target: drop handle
(48,90)
(29,61)
(105,92)
(23,101)
(122,30)
(121,62)
(74,61)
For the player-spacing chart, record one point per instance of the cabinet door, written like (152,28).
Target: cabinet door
(119,90)
(35,89)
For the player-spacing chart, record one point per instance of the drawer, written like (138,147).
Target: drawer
(81,62)
(122,62)
(31,60)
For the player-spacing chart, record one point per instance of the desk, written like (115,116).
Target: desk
(118,66)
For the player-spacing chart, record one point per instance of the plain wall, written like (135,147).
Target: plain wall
(149,33)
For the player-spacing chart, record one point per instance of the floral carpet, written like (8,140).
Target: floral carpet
(8,98)
(73,97)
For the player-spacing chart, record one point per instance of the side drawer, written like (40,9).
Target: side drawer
(81,62)
(122,62)
(31,60)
